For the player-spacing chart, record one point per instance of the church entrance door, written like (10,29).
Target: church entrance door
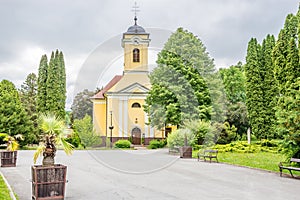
(136,136)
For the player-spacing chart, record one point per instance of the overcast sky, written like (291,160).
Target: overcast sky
(31,28)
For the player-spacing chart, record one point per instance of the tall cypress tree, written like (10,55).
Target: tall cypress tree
(260,90)
(269,90)
(52,85)
(253,86)
(62,84)
(284,56)
(42,84)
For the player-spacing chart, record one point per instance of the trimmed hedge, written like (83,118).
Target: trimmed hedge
(123,144)
(155,144)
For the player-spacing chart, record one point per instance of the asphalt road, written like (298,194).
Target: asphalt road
(153,174)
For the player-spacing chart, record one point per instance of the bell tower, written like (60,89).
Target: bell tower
(135,43)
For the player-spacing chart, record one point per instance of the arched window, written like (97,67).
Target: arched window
(136,55)
(135,105)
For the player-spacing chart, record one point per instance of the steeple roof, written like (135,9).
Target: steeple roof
(136,29)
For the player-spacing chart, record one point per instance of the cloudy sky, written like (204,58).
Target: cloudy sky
(31,28)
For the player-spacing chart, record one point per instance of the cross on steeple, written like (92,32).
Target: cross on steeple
(135,10)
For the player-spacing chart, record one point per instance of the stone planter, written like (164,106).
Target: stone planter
(8,158)
(185,152)
(48,182)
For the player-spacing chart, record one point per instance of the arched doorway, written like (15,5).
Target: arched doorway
(136,136)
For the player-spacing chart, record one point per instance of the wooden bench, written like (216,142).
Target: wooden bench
(209,153)
(289,166)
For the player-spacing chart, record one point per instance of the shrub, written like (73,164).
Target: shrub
(226,133)
(85,130)
(244,147)
(155,144)
(176,138)
(74,139)
(122,144)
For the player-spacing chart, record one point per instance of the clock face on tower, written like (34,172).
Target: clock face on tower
(136,42)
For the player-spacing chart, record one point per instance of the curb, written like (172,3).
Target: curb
(11,193)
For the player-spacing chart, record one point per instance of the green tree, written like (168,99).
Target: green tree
(269,90)
(84,128)
(52,85)
(260,90)
(288,115)
(253,86)
(82,104)
(234,82)
(28,96)
(178,90)
(285,54)
(14,119)
(42,84)
(191,49)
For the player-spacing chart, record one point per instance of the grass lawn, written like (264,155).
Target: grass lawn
(4,192)
(261,160)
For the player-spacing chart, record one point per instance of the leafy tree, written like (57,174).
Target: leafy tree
(178,90)
(82,104)
(288,115)
(13,117)
(28,96)
(84,128)
(234,83)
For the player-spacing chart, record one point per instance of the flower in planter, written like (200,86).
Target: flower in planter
(52,134)
(11,141)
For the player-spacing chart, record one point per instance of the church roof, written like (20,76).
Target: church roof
(114,81)
(136,29)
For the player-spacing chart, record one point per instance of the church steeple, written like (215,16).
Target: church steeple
(135,43)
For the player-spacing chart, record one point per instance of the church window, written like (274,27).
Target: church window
(136,55)
(135,105)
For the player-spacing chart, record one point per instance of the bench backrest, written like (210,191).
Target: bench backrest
(211,151)
(295,160)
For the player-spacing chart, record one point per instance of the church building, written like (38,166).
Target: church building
(118,111)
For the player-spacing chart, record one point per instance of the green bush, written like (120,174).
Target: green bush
(122,144)
(155,144)
(2,136)
(176,138)
(74,139)
(244,147)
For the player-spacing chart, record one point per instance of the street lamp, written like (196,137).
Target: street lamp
(111,127)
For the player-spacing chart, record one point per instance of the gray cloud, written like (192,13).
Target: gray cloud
(78,27)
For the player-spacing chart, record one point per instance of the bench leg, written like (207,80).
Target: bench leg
(291,173)
(280,172)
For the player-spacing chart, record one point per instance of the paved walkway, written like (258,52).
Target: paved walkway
(153,174)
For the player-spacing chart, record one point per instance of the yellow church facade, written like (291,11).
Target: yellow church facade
(118,108)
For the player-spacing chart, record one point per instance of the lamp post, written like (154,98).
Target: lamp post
(111,127)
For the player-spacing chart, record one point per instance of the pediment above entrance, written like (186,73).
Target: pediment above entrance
(134,88)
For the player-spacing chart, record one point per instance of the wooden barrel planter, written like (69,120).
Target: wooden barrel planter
(185,152)
(8,158)
(48,182)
